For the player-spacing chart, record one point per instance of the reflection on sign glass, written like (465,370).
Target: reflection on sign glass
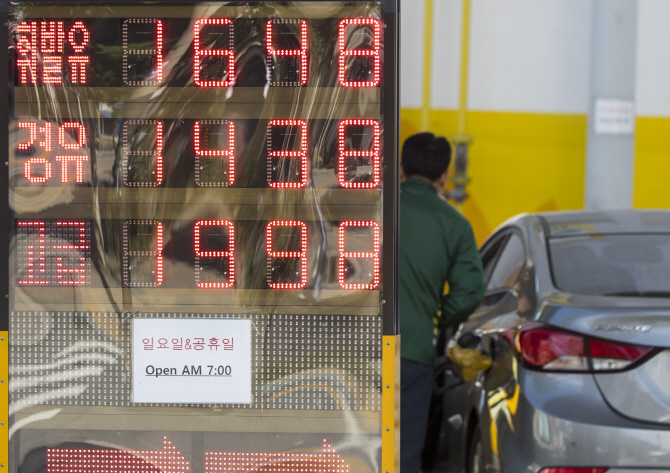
(197,207)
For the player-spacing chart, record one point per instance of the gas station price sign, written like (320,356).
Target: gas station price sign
(201,199)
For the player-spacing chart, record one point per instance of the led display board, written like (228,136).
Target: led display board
(200,235)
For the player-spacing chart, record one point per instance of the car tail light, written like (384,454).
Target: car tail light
(573,470)
(608,356)
(550,349)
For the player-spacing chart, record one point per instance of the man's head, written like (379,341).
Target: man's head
(426,155)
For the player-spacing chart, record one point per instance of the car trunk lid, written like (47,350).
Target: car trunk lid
(643,391)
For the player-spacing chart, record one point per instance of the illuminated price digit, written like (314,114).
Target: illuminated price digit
(214,268)
(142,253)
(287,135)
(287,269)
(358,150)
(32,237)
(209,62)
(218,167)
(142,66)
(143,153)
(287,61)
(358,269)
(359,45)
(71,270)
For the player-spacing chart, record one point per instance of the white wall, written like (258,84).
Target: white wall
(525,55)
(411,52)
(445,71)
(652,80)
(530,55)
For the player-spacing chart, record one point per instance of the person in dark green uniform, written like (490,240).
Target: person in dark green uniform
(437,246)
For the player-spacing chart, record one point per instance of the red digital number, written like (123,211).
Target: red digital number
(206,58)
(41,53)
(202,240)
(143,256)
(292,133)
(278,57)
(361,52)
(143,153)
(372,154)
(345,257)
(292,265)
(73,276)
(209,171)
(148,63)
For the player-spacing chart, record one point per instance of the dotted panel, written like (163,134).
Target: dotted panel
(323,362)
(317,362)
(65,359)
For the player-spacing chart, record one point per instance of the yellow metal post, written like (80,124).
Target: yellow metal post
(462,139)
(427,62)
(391,404)
(4,400)
(461,127)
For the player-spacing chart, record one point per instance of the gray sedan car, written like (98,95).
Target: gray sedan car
(576,323)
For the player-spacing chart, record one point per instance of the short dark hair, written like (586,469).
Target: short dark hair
(426,155)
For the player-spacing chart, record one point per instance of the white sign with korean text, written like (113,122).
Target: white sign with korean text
(180,360)
(614,117)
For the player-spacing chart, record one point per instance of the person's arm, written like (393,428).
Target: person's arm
(466,281)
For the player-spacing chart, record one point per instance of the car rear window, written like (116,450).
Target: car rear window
(613,265)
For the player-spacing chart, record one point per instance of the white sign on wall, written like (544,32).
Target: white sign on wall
(194,361)
(614,117)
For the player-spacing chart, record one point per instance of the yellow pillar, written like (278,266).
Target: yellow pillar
(427,62)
